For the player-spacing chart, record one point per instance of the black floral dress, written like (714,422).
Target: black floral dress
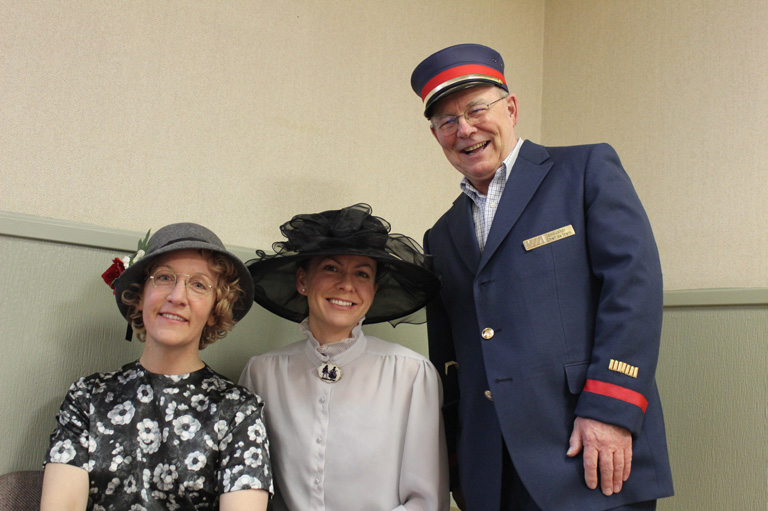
(151,441)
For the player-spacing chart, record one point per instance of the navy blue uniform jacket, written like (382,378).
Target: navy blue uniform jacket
(575,326)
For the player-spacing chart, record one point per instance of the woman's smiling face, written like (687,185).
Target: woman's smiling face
(339,289)
(174,316)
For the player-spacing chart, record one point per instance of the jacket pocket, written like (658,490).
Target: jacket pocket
(576,376)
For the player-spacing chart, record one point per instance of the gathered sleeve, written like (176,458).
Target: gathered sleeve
(70,440)
(424,470)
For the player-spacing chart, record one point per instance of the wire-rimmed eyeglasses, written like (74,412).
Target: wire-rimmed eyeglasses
(197,284)
(449,124)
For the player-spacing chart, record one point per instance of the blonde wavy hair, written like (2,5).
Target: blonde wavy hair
(228,293)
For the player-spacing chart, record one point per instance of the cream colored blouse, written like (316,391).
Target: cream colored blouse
(373,440)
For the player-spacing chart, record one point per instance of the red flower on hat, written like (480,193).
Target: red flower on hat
(114,271)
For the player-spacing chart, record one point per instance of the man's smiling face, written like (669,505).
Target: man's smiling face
(478,151)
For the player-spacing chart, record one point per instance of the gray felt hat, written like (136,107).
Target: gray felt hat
(183,236)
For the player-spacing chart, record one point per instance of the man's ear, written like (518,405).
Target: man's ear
(511,101)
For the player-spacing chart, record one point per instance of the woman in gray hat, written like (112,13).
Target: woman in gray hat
(165,431)
(354,421)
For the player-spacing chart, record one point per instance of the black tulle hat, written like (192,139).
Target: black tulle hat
(405,278)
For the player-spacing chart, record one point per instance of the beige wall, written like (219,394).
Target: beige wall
(267,109)
(135,114)
(681,90)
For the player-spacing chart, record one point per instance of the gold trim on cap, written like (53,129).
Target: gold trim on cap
(464,78)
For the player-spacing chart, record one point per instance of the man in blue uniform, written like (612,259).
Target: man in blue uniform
(548,324)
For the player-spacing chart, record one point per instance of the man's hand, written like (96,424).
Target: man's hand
(605,446)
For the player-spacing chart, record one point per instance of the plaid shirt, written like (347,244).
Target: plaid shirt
(484,206)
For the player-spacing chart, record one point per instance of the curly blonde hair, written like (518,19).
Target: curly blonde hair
(228,293)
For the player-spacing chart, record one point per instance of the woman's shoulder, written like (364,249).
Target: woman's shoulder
(282,351)
(381,347)
(101,379)
(220,389)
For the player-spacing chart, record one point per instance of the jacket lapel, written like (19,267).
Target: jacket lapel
(529,170)
(462,229)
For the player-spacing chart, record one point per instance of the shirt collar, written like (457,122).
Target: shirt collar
(470,190)
(339,352)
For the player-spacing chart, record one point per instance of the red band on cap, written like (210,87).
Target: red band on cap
(616,392)
(459,71)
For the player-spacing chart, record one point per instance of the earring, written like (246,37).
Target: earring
(303,289)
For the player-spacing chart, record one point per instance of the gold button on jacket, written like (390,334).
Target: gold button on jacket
(487,333)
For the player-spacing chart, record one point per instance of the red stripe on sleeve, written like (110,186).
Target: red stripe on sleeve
(616,392)
(455,72)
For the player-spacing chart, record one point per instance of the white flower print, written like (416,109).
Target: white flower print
(116,462)
(122,413)
(246,482)
(130,485)
(253,457)
(62,452)
(127,376)
(186,426)
(101,428)
(257,432)
(145,393)
(149,436)
(164,476)
(224,443)
(118,458)
(220,428)
(112,486)
(170,411)
(196,484)
(195,461)
(200,402)
(151,447)
(226,478)
(176,378)
(209,443)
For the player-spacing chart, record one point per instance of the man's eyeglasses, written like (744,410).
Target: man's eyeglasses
(197,284)
(449,124)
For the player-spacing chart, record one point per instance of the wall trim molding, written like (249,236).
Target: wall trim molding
(21,225)
(33,227)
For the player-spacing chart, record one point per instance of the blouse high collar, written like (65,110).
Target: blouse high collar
(340,352)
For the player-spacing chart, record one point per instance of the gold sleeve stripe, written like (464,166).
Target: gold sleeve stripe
(623,367)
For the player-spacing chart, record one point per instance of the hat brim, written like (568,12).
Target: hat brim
(459,86)
(134,274)
(403,287)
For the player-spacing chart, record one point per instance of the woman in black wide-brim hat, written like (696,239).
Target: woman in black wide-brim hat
(354,421)
(165,431)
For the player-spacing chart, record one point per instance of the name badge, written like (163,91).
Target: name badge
(549,237)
